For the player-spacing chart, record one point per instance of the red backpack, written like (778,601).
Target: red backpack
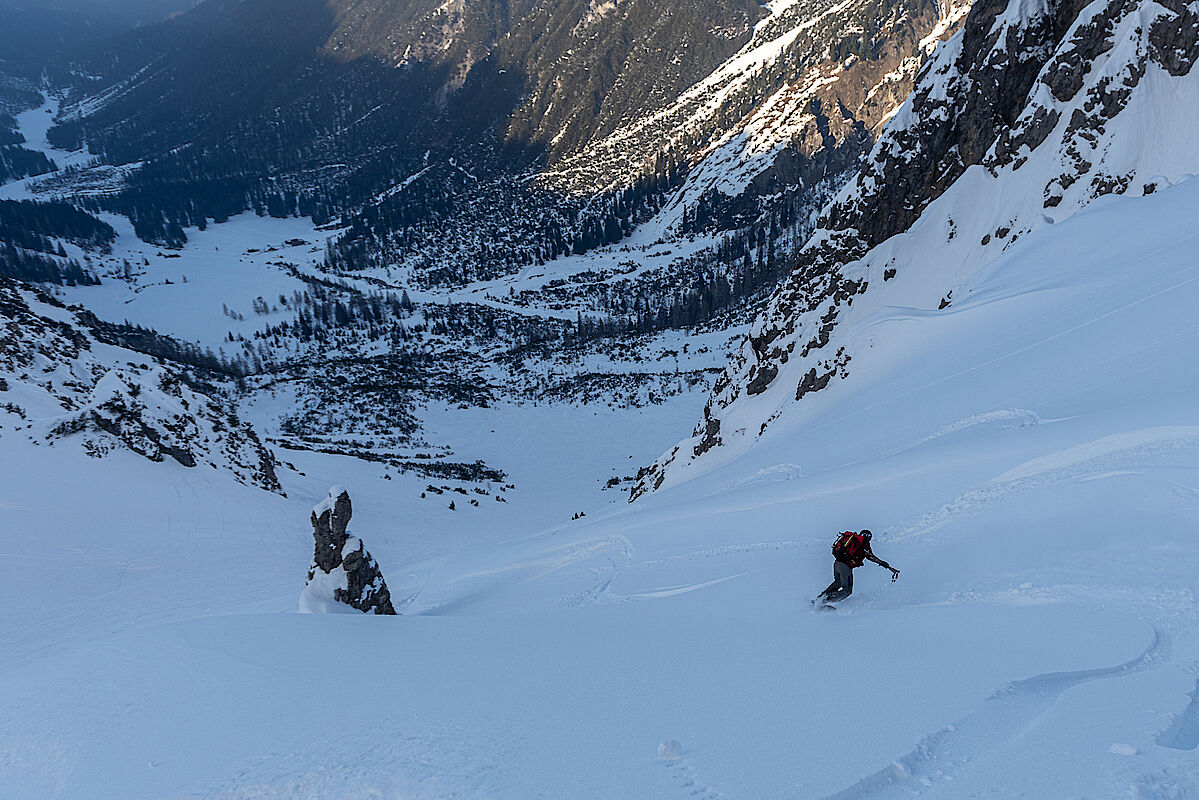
(849,548)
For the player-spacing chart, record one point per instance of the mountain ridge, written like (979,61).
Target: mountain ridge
(1045,84)
(508,92)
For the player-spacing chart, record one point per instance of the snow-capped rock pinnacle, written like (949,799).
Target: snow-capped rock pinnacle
(342,571)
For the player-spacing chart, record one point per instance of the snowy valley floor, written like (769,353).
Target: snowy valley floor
(1029,458)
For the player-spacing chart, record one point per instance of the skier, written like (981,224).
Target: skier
(850,550)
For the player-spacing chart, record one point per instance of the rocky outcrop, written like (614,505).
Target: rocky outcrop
(74,388)
(797,106)
(1174,40)
(343,573)
(152,412)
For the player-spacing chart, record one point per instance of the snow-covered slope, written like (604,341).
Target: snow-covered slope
(1000,382)
(58,382)
(1029,465)
(1025,117)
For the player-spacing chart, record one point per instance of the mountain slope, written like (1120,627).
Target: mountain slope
(1027,115)
(1000,382)
(1039,499)
(62,385)
(811,77)
(439,75)
(436,139)
(419,124)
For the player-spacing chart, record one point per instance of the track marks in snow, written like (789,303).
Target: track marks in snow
(1183,492)
(690,781)
(736,549)
(672,591)
(1147,441)
(778,472)
(1108,456)
(1020,417)
(1002,718)
(592,562)
(614,553)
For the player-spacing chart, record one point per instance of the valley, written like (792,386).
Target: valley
(609,318)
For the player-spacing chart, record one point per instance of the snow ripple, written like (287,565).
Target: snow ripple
(1003,717)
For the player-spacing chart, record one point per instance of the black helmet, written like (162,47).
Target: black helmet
(866,534)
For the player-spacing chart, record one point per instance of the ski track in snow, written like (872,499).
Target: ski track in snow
(1092,460)
(737,549)
(1021,417)
(610,554)
(1003,717)
(674,591)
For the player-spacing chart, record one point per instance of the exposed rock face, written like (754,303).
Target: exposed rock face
(1034,106)
(342,570)
(796,106)
(330,519)
(75,388)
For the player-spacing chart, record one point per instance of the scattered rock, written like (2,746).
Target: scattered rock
(1174,43)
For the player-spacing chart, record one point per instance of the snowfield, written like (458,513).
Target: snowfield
(1028,457)
(186,293)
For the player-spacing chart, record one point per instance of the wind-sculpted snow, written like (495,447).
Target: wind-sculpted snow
(61,384)
(1025,117)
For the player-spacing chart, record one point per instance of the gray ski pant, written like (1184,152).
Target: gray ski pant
(842,585)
